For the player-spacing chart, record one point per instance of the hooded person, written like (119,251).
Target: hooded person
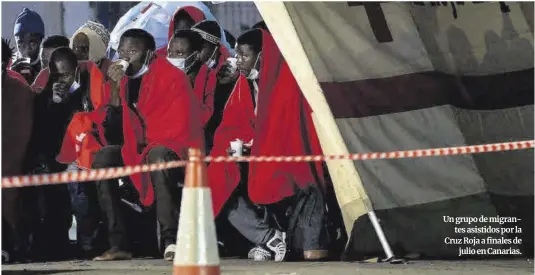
(266,103)
(90,42)
(17,120)
(29,31)
(183,19)
(147,96)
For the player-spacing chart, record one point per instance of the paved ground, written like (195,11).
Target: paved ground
(244,267)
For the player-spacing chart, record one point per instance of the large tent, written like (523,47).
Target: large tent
(411,75)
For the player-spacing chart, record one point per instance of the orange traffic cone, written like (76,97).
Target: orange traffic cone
(196,248)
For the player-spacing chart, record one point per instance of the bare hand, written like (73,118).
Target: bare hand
(246,151)
(226,74)
(59,88)
(116,72)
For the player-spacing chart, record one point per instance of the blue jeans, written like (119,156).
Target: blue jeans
(86,211)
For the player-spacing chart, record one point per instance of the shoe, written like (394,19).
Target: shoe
(277,244)
(169,253)
(114,254)
(260,254)
(5,257)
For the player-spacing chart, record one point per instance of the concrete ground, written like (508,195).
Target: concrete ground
(245,267)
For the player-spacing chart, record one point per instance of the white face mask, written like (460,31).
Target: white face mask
(145,68)
(180,62)
(211,62)
(253,74)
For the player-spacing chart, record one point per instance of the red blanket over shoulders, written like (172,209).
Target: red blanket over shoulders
(79,143)
(17,76)
(206,83)
(170,115)
(282,126)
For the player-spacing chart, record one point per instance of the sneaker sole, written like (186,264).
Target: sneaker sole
(169,256)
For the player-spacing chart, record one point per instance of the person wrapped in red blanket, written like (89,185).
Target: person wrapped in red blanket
(183,19)
(84,136)
(202,56)
(213,56)
(153,106)
(268,112)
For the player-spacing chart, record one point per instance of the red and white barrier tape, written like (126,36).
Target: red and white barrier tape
(118,172)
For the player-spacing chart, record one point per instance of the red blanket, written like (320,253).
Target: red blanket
(79,143)
(196,14)
(17,76)
(168,116)
(205,85)
(40,81)
(282,126)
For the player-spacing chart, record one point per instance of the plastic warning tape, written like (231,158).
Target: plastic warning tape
(119,172)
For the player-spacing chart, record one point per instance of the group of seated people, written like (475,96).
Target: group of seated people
(66,107)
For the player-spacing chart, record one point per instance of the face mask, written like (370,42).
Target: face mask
(145,67)
(75,85)
(211,62)
(180,62)
(253,74)
(141,72)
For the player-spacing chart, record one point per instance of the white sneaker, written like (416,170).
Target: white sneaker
(277,244)
(169,253)
(5,257)
(259,254)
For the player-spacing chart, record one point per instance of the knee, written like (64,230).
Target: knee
(160,154)
(105,158)
(101,160)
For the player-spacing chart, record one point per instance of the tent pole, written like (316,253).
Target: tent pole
(381,235)
(276,15)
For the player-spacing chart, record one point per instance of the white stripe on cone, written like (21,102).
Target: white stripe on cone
(196,238)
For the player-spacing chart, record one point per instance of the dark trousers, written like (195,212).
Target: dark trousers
(167,189)
(19,217)
(87,213)
(39,218)
(304,218)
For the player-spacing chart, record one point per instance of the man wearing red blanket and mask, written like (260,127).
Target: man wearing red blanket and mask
(268,112)
(212,93)
(154,105)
